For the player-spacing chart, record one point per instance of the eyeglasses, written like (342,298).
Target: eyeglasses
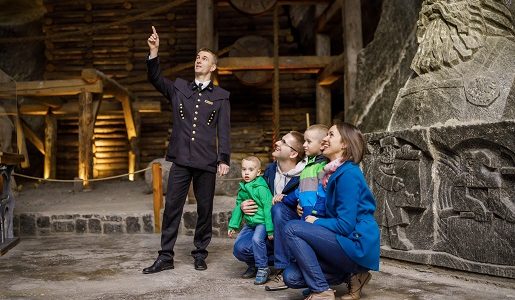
(286,144)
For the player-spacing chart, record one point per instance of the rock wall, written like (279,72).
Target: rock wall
(384,65)
(443,171)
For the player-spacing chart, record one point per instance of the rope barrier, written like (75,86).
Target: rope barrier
(80,180)
(100,179)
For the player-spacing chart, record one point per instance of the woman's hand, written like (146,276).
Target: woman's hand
(311,219)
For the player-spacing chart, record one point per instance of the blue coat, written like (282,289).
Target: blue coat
(289,189)
(350,210)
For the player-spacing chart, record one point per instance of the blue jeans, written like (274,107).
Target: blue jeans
(320,261)
(282,214)
(251,246)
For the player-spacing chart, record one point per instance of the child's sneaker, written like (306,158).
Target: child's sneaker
(262,276)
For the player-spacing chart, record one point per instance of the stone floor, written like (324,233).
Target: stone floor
(107,264)
(109,267)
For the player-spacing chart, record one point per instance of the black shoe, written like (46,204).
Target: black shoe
(200,264)
(158,266)
(250,272)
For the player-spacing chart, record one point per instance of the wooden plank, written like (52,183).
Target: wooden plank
(323,93)
(50,166)
(275,92)
(33,137)
(129,119)
(205,24)
(157,189)
(327,16)
(85,136)
(57,87)
(333,71)
(353,43)
(289,63)
(20,142)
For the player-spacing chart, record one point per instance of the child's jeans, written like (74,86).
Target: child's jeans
(258,241)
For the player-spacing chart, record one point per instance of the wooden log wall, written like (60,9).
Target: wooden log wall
(120,52)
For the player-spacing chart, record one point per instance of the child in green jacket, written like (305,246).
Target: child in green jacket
(260,224)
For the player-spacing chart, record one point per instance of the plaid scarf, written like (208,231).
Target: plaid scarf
(329,169)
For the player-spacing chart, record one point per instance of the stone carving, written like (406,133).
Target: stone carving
(464,66)
(397,187)
(476,199)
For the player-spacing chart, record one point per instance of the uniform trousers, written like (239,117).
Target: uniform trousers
(178,185)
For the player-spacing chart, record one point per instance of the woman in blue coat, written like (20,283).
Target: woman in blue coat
(344,245)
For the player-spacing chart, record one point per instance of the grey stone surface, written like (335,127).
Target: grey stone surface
(445,195)
(444,172)
(228,185)
(384,65)
(109,267)
(465,68)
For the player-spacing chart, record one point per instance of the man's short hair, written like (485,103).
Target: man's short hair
(253,159)
(320,130)
(298,141)
(215,57)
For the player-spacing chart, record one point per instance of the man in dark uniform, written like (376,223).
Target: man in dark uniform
(201,114)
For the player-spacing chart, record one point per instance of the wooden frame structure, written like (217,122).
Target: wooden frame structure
(91,88)
(329,68)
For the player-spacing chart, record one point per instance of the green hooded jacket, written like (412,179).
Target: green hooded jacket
(258,191)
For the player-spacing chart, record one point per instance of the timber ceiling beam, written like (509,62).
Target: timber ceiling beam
(330,13)
(57,87)
(333,71)
(72,108)
(293,64)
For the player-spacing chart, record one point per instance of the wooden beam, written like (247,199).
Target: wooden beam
(205,24)
(22,145)
(327,16)
(267,63)
(129,119)
(53,102)
(33,137)
(333,71)
(323,93)
(50,146)
(276,114)
(85,136)
(10,158)
(353,43)
(174,70)
(72,108)
(57,87)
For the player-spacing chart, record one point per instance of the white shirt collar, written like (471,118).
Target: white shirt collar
(204,84)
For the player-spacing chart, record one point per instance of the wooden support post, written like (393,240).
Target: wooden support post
(131,133)
(157,189)
(21,144)
(353,43)
(50,146)
(85,136)
(33,137)
(323,93)
(205,24)
(275,94)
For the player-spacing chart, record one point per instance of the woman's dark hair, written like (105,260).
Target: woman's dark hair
(353,138)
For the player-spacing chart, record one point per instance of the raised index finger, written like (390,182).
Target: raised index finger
(154,30)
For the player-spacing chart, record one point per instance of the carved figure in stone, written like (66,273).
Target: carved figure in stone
(396,192)
(478,192)
(464,66)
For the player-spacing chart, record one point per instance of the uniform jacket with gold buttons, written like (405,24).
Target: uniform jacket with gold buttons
(199,117)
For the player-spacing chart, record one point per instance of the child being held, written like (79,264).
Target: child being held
(254,187)
(310,197)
